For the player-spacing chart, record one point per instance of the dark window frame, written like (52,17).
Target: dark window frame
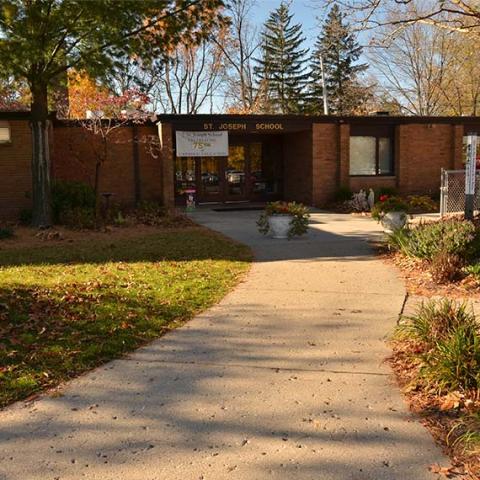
(376,132)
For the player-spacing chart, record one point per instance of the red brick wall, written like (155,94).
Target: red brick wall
(74,158)
(15,170)
(457,148)
(150,166)
(344,154)
(365,183)
(325,168)
(297,157)
(424,149)
(316,162)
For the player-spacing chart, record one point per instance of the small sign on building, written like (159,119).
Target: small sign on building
(470,172)
(202,144)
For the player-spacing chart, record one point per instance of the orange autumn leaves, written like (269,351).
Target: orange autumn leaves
(85,94)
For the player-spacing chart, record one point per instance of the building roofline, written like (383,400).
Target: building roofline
(14,115)
(360,119)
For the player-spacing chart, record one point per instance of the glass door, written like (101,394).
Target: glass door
(210,187)
(235,173)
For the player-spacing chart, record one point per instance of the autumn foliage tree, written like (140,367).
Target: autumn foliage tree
(40,40)
(102,113)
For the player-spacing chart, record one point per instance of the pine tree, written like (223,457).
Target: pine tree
(281,73)
(340,51)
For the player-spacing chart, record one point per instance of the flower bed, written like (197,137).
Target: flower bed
(437,362)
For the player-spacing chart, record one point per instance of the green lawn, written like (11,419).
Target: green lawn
(65,309)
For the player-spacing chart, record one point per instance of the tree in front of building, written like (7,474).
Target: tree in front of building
(14,96)
(281,72)
(41,40)
(102,113)
(337,46)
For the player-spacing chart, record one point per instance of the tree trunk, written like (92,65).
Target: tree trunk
(98,202)
(41,213)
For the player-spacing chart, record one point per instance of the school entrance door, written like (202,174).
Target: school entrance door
(253,171)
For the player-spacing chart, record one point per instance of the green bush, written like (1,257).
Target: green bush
(6,232)
(454,363)
(427,240)
(474,270)
(421,204)
(435,321)
(71,199)
(391,204)
(78,217)
(389,191)
(150,213)
(25,216)
(446,335)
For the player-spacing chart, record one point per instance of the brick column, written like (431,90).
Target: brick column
(324,162)
(344,154)
(166,162)
(457,147)
(401,157)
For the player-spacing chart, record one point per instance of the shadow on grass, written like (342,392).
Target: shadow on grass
(179,245)
(66,310)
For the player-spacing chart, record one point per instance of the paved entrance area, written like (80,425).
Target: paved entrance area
(284,379)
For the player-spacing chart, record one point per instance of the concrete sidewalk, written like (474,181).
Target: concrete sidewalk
(284,379)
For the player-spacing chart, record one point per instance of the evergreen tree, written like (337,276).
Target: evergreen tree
(340,51)
(281,73)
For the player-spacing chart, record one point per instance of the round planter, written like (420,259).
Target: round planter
(392,221)
(279,225)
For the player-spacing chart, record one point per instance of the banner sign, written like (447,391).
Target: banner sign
(202,144)
(470,165)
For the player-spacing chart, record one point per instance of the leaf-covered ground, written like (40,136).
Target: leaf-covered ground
(68,307)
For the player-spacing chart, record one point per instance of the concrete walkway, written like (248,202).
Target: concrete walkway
(282,380)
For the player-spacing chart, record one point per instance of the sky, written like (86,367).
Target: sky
(303,12)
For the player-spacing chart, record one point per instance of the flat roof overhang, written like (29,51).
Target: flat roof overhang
(306,121)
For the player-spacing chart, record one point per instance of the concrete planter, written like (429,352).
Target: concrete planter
(279,225)
(392,221)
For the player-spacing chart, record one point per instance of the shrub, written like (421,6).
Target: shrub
(474,270)
(70,199)
(6,232)
(421,204)
(388,191)
(454,363)
(399,240)
(446,334)
(150,213)
(78,217)
(343,194)
(25,216)
(390,204)
(446,267)
(426,240)
(435,321)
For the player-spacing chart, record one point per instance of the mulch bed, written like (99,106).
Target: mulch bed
(439,414)
(419,281)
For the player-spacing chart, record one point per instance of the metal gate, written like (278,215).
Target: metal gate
(452,192)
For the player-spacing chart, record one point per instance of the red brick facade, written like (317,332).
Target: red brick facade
(15,170)
(316,156)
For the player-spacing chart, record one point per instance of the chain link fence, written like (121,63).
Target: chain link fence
(452,192)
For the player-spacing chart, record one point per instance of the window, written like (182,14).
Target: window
(5,132)
(371,155)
